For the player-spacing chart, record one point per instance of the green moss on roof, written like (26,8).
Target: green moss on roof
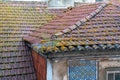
(90,27)
(16,22)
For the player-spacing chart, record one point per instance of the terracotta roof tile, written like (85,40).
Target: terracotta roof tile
(100,26)
(97,27)
(18,20)
(67,20)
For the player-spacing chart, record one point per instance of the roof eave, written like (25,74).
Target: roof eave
(85,54)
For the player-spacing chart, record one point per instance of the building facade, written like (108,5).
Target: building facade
(21,18)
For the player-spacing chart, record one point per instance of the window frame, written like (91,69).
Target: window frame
(113,71)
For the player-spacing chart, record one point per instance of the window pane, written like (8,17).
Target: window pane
(117,76)
(110,76)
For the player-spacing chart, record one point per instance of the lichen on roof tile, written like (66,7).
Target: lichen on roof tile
(96,28)
(18,19)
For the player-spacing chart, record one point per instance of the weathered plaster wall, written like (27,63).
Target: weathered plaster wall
(60,69)
(107,64)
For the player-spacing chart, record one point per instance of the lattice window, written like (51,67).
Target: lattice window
(83,70)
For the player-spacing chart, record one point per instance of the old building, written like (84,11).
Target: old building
(83,44)
(53,53)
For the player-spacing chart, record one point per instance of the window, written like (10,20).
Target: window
(60,3)
(113,74)
(83,70)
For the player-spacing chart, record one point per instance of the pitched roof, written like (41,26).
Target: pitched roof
(61,23)
(91,26)
(16,21)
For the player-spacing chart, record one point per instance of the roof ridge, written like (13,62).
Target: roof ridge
(79,23)
(69,9)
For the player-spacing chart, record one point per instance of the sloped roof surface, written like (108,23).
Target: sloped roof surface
(92,26)
(16,21)
(103,28)
(67,20)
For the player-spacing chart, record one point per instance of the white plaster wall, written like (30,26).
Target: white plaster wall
(106,64)
(89,1)
(49,70)
(60,70)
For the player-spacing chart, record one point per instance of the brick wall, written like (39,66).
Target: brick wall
(40,66)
